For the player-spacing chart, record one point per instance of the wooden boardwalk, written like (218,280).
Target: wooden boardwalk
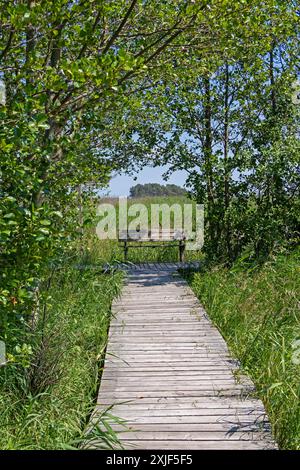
(169,374)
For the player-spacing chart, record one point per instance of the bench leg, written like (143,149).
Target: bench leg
(125,251)
(181,251)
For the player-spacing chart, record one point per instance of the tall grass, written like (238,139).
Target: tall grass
(257,311)
(47,405)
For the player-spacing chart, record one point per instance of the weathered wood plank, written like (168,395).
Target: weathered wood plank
(185,444)
(196,418)
(193,435)
(202,403)
(129,395)
(181,375)
(213,386)
(198,430)
(170,381)
(189,415)
(207,344)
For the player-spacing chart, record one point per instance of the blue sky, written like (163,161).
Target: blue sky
(120,184)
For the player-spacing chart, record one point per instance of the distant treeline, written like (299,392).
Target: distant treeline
(155,189)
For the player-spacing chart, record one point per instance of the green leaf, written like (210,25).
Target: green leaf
(45,222)
(44,231)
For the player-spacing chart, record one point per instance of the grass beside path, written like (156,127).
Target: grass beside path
(257,311)
(47,404)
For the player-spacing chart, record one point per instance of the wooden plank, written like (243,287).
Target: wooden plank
(165,309)
(172,362)
(165,370)
(189,358)
(167,386)
(156,323)
(154,329)
(181,375)
(193,435)
(122,351)
(203,343)
(200,403)
(152,340)
(189,415)
(151,299)
(204,352)
(183,415)
(171,380)
(130,395)
(118,349)
(165,347)
(192,445)
(204,430)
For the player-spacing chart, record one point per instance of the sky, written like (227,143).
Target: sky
(120,184)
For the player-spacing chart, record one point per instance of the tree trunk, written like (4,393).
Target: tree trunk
(272,81)
(226,165)
(212,231)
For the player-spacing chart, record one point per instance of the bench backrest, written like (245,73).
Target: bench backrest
(152,235)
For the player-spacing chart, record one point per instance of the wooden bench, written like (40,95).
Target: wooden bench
(143,239)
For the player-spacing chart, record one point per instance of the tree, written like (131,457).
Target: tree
(67,65)
(92,86)
(155,189)
(232,126)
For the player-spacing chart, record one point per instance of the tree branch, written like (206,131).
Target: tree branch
(120,27)
(8,44)
(84,47)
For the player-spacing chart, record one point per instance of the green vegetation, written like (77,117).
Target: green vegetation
(48,393)
(91,87)
(233,126)
(155,189)
(256,308)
